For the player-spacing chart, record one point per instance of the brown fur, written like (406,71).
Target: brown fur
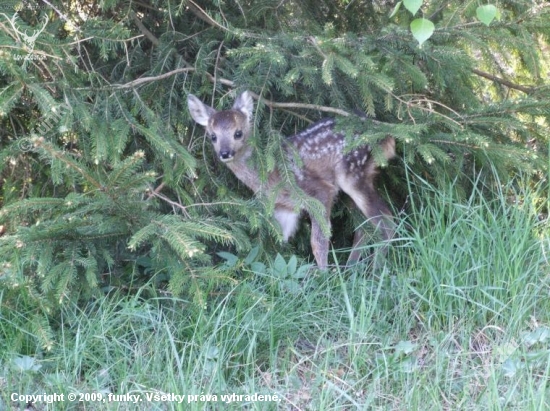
(323,171)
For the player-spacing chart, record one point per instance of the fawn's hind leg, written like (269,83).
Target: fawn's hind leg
(372,206)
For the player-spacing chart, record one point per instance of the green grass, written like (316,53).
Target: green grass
(458,319)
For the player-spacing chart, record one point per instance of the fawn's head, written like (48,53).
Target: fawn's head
(229,129)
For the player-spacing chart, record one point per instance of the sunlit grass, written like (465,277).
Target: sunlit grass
(458,318)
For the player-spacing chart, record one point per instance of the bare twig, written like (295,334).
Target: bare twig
(142,80)
(154,193)
(504,82)
(223,81)
(325,109)
(417,103)
(313,41)
(218,56)
(144,29)
(63,16)
(203,15)
(230,83)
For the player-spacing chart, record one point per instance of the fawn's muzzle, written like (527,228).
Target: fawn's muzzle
(227,155)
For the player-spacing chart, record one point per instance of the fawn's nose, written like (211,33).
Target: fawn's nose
(226,155)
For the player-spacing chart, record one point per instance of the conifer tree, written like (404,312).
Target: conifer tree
(105,178)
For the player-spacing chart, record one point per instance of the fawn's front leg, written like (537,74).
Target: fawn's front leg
(319,243)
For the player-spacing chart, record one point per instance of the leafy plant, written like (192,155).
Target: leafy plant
(284,276)
(422,28)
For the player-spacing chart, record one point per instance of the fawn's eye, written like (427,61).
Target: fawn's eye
(238,134)
(213,137)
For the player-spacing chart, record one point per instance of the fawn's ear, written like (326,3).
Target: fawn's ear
(200,112)
(244,104)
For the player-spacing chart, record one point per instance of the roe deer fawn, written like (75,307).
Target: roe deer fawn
(321,171)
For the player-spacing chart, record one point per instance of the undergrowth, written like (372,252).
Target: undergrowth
(457,318)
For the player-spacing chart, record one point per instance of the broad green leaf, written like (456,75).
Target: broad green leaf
(293,287)
(511,366)
(25,363)
(541,334)
(302,271)
(231,260)
(292,264)
(505,351)
(280,267)
(409,365)
(412,5)
(258,267)
(396,9)
(252,255)
(212,352)
(422,30)
(486,14)
(405,347)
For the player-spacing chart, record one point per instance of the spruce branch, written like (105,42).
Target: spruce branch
(40,142)
(504,82)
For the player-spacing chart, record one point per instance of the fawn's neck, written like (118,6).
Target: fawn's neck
(246,174)
(249,175)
